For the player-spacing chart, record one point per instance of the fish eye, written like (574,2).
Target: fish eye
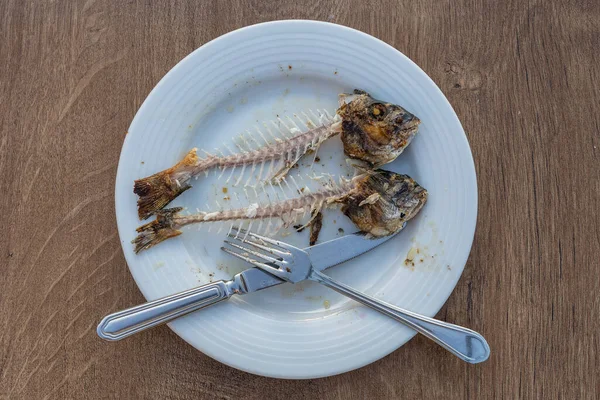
(378,110)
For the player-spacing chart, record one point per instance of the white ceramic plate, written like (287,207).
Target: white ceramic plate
(278,68)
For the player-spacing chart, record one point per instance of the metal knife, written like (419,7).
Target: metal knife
(139,318)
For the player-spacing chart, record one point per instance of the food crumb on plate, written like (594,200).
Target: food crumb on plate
(411,256)
(158,265)
(313,297)
(326,304)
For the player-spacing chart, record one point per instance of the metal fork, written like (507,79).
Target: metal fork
(293,265)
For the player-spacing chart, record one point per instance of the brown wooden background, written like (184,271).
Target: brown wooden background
(524,80)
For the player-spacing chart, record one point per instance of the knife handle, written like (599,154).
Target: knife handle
(139,318)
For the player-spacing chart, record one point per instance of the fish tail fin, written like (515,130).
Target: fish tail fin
(159,230)
(158,190)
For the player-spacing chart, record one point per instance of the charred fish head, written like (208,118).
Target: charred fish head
(375,131)
(382,201)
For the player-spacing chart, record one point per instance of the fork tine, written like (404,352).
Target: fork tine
(277,243)
(268,268)
(271,250)
(263,238)
(253,252)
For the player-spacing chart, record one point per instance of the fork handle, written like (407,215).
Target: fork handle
(139,318)
(464,343)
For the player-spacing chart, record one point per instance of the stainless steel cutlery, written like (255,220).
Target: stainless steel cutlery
(295,265)
(274,263)
(144,316)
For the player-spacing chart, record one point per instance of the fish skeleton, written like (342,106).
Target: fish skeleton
(378,202)
(372,131)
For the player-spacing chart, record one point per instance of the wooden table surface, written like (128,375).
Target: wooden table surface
(523,78)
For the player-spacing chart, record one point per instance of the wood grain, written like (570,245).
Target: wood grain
(523,78)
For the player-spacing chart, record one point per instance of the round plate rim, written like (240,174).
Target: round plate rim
(468,229)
